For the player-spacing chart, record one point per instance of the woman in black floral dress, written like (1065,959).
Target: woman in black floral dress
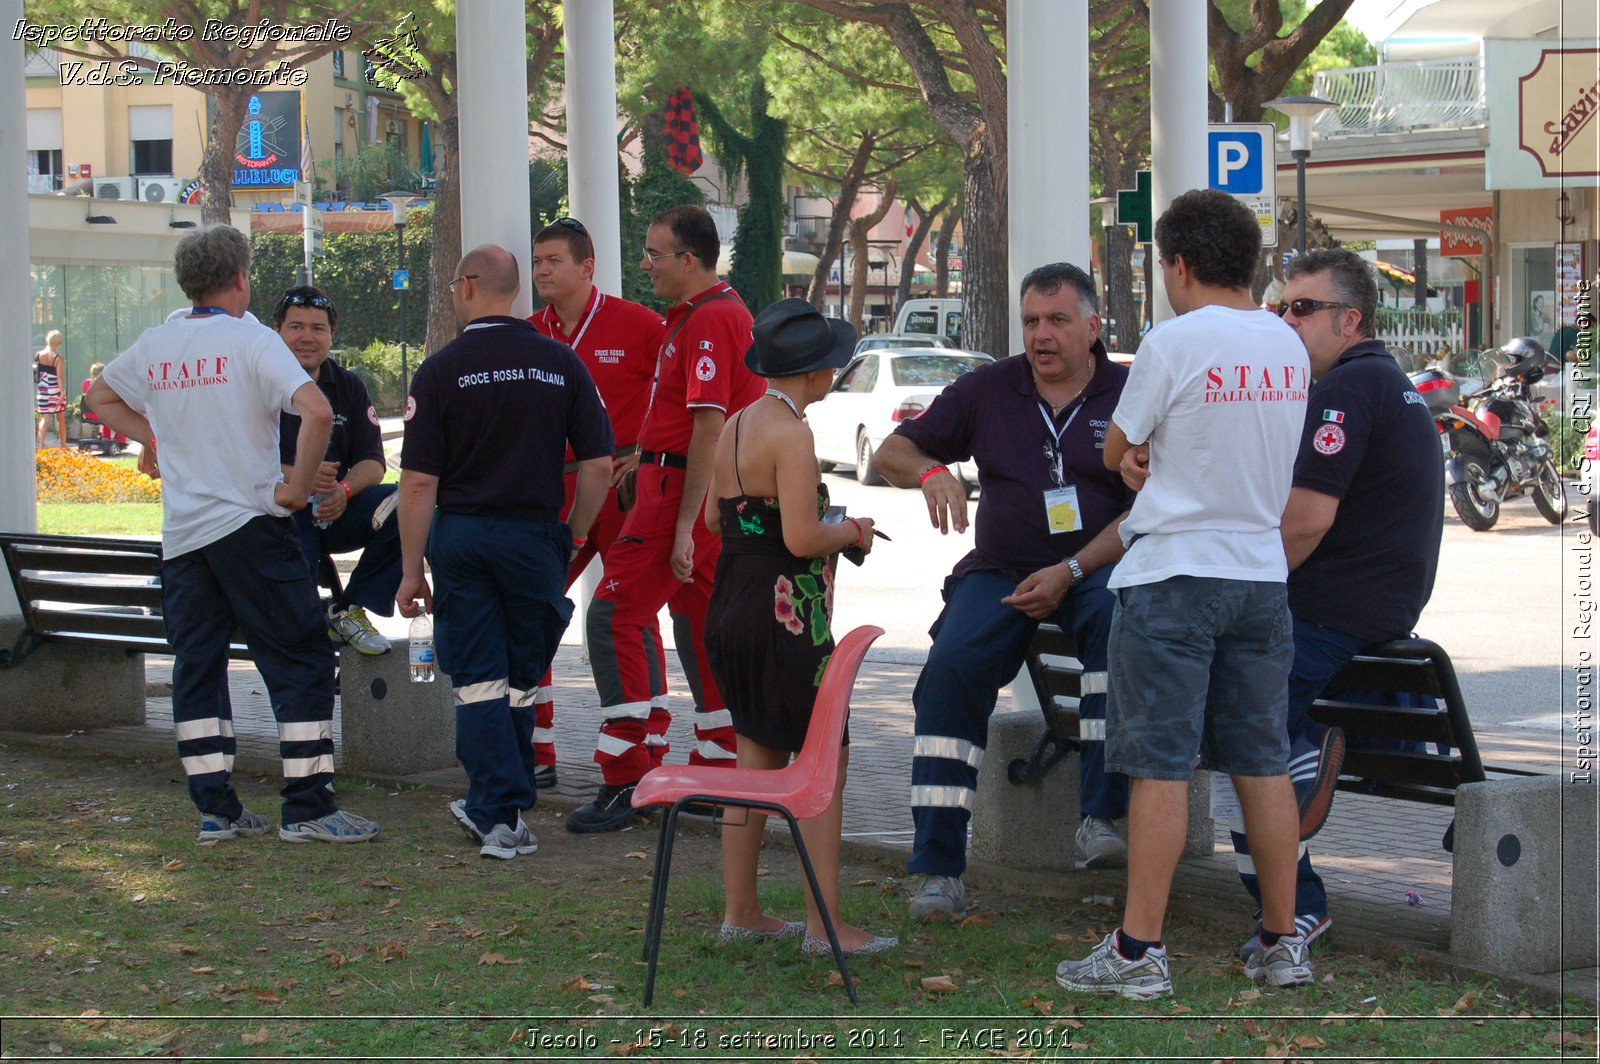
(767,628)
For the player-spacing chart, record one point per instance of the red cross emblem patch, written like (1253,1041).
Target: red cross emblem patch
(1329,439)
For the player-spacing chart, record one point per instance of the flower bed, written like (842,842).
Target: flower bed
(73,476)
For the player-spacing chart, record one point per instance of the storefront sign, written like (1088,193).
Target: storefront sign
(267,153)
(1544,113)
(1453,243)
(1569,282)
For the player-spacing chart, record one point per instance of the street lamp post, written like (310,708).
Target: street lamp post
(1302,110)
(400,202)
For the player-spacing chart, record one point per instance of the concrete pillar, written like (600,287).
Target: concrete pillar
(18,511)
(1047,131)
(592,177)
(1177,110)
(492,79)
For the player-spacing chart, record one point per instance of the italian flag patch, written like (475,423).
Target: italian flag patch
(1335,416)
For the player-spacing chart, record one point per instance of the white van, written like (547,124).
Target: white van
(930,317)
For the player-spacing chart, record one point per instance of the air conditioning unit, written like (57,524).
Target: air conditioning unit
(113,188)
(160,189)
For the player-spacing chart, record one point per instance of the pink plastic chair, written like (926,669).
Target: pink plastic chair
(798,791)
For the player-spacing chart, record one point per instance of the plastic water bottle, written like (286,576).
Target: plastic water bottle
(313,502)
(421,646)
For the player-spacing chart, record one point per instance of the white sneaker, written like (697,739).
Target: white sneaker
(506,842)
(1284,963)
(938,894)
(458,809)
(1097,845)
(352,627)
(1105,971)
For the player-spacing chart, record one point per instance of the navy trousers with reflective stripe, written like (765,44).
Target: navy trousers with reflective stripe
(979,644)
(254,580)
(499,607)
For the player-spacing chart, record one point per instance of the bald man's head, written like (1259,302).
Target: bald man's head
(496,270)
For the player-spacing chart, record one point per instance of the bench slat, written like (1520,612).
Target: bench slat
(1392,766)
(56,623)
(1385,722)
(139,645)
(1388,674)
(1050,639)
(95,594)
(101,563)
(1400,791)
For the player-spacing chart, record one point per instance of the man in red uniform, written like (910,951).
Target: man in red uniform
(617,340)
(665,555)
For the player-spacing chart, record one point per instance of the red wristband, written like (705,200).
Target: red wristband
(346,488)
(930,471)
(861,533)
(578,543)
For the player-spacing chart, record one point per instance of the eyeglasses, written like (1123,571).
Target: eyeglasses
(1304,307)
(306,299)
(464,277)
(571,223)
(654,255)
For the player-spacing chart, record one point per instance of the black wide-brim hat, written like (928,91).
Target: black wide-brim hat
(792,337)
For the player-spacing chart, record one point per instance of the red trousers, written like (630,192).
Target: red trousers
(625,649)
(602,534)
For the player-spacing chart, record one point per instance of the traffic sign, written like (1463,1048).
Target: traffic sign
(402,279)
(311,220)
(1241,161)
(1133,208)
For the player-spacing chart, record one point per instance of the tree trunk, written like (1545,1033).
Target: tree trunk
(849,188)
(1120,304)
(446,253)
(941,253)
(984,306)
(860,277)
(919,236)
(228,106)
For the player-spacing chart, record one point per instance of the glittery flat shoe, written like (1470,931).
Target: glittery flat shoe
(819,947)
(735,933)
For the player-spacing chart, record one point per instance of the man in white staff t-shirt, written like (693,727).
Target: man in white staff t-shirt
(211,383)
(1201,641)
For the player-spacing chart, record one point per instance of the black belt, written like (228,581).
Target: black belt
(671,461)
(622,452)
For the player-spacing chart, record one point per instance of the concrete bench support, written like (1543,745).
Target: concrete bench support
(1032,827)
(392,727)
(1524,890)
(62,687)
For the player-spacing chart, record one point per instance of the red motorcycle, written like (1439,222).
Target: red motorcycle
(1496,445)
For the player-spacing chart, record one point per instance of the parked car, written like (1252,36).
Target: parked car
(877,391)
(878,343)
(930,317)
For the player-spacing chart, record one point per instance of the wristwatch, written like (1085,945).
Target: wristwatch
(1076,570)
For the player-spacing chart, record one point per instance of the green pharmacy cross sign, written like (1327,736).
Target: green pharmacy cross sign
(1133,208)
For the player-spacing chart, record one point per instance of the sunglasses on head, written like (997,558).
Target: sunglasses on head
(1304,307)
(571,223)
(305,299)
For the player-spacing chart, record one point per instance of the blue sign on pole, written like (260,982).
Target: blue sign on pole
(402,279)
(1241,161)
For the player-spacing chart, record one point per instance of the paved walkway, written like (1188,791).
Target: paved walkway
(1367,882)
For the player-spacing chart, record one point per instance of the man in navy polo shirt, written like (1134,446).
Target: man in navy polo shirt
(488,423)
(1044,547)
(1361,530)
(354,508)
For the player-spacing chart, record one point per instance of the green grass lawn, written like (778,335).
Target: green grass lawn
(101,519)
(120,936)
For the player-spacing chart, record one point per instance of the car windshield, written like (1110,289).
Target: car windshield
(932,371)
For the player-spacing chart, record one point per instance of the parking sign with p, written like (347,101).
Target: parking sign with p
(1241,161)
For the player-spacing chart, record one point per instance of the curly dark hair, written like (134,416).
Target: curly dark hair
(1217,236)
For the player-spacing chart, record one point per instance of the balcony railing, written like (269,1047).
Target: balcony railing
(1401,97)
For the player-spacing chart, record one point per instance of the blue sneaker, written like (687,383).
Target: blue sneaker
(219,829)
(337,826)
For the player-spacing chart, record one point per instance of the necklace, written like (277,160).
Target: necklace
(1056,408)
(795,410)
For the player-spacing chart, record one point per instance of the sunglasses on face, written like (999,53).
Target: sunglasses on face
(1305,307)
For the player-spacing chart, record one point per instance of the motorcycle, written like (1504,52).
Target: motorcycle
(1496,446)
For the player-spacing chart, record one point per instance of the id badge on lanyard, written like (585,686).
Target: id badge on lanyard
(1061,510)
